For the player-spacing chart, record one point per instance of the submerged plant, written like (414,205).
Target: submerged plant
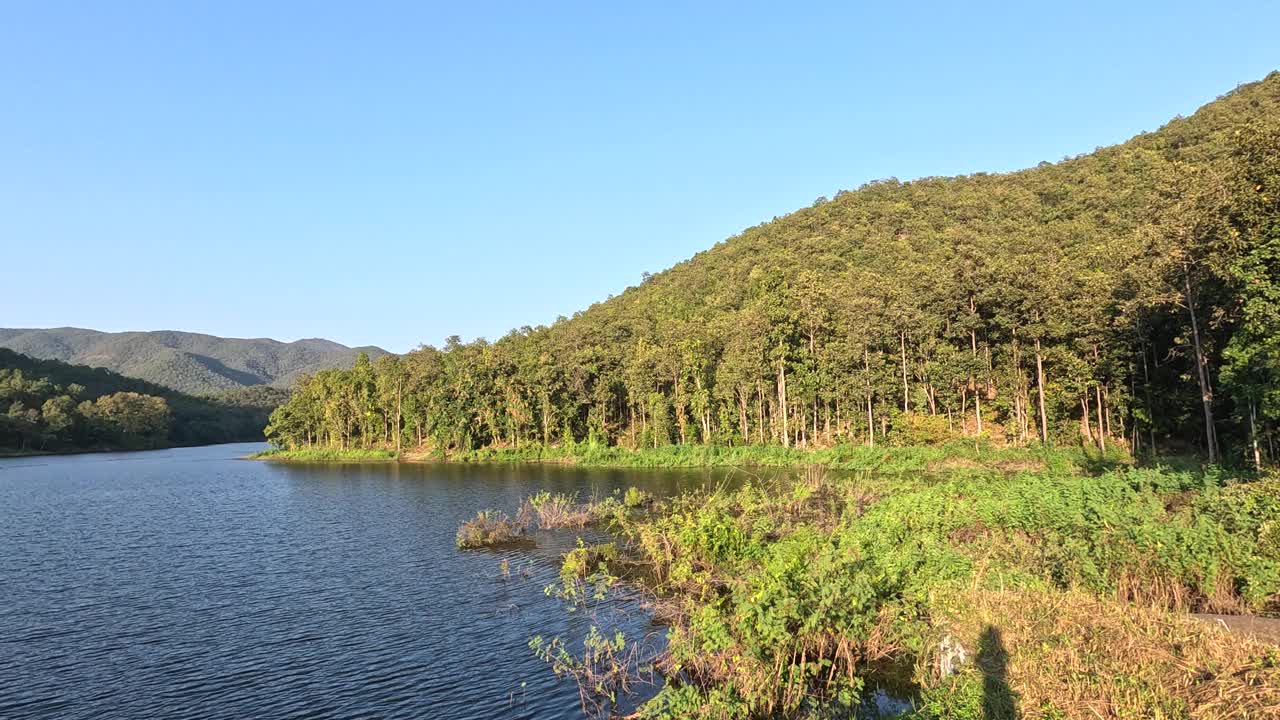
(608,667)
(489,528)
(559,510)
(585,574)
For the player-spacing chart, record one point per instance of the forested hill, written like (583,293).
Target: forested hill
(48,405)
(189,362)
(1131,295)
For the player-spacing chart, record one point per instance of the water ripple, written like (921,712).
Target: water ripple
(190,584)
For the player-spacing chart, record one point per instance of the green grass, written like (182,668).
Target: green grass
(325,455)
(780,591)
(956,456)
(941,458)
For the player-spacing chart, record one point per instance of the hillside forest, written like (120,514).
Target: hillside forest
(1127,297)
(50,406)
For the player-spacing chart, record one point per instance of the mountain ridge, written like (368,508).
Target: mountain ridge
(194,363)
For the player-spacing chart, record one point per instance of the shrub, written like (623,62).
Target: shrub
(635,498)
(559,511)
(490,528)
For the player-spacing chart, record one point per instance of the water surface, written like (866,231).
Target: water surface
(190,583)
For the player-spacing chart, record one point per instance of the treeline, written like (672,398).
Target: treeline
(51,406)
(43,415)
(253,397)
(1130,296)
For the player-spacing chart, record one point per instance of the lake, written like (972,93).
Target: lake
(190,583)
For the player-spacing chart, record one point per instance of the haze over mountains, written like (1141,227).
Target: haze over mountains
(189,362)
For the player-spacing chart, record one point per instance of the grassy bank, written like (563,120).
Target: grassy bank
(915,459)
(320,454)
(954,456)
(1047,594)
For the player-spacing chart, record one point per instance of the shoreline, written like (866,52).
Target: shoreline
(101,450)
(952,574)
(954,457)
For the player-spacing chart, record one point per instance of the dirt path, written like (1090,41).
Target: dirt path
(1260,628)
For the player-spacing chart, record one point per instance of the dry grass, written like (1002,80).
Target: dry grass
(1148,587)
(823,502)
(491,528)
(559,510)
(1070,655)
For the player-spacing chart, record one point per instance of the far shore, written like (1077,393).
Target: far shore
(99,450)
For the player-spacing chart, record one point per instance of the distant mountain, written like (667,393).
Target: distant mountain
(188,362)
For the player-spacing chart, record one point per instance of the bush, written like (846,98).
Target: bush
(490,528)
(921,429)
(783,593)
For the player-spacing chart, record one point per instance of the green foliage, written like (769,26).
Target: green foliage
(128,418)
(585,573)
(604,671)
(635,498)
(1123,287)
(885,459)
(325,454)
(49,406)
(923,430)
(255,396)
(785,589)
(959,697)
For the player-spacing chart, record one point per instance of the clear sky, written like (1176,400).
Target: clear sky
(394,173)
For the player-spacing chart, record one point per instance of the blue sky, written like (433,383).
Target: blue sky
(394,173)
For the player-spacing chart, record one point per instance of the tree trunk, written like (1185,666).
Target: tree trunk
(826,421)
(546,431)
(814,438)
(1202,374)
(1044,419)
(1085,428)
(760,411)
(1102,428)
(681,421)
(782,402)
(1106,413)
(1151,413)
(977,393)
(839,419)
(906,390)
(1253,434)
(1020,390)
(871,421)
(399,411)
